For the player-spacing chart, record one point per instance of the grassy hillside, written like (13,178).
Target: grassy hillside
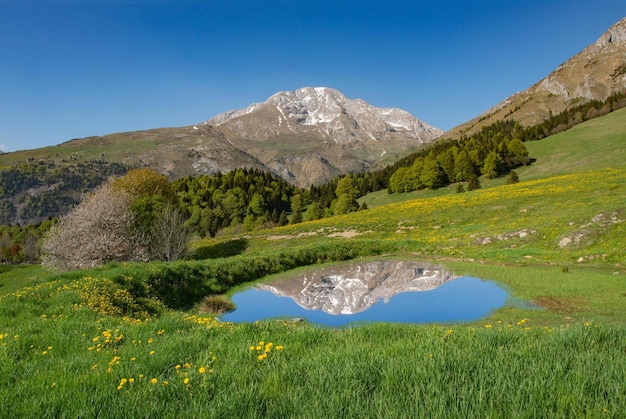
(593,145)
(97,343)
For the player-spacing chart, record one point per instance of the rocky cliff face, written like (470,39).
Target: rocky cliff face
(313,134)
(595,73)
(352,288)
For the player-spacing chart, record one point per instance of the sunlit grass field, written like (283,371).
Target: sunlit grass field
(99,344)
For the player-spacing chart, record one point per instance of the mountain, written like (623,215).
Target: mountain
(595,73)
(315,133)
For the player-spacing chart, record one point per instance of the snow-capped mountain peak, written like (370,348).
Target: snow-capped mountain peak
(293,131)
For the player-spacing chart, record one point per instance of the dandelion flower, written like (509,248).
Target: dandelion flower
(201,370)
(154,381)
(186,380)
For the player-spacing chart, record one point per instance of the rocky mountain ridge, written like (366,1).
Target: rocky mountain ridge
(595,73)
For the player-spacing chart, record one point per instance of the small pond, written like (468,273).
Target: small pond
(375,291)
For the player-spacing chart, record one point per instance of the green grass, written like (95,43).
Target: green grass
(14,277)
(89,344)
(592,145)
(66,360)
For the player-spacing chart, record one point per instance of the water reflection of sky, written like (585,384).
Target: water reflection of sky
(462,299)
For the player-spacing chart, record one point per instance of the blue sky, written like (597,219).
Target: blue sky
(75,68)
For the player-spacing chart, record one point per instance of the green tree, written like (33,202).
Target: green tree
(432,175)
(512,177)
(297,203)
(446,161)
(491,166)
(347,193)
(463,167)
(518,153)
(144,183)
(473,183)
(296,218)
(314,212)
(257,206)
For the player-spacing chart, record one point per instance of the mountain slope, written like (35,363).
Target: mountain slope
(595,73)
(313,134)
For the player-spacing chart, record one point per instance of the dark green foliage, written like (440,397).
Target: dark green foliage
(491,167)
(512,177)
(296,218)
(252,196)
(473,183)
(460,188)
(314,212)
(432,175)
(347,194)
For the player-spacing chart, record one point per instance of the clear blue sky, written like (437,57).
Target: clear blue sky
(75,68)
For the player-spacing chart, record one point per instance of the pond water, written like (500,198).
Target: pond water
(379,291)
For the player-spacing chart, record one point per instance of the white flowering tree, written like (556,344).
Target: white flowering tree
(101,229)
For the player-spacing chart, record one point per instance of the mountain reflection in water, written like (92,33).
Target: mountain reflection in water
(381,291)
(355,287)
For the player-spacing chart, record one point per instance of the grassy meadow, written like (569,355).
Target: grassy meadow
(132,340)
